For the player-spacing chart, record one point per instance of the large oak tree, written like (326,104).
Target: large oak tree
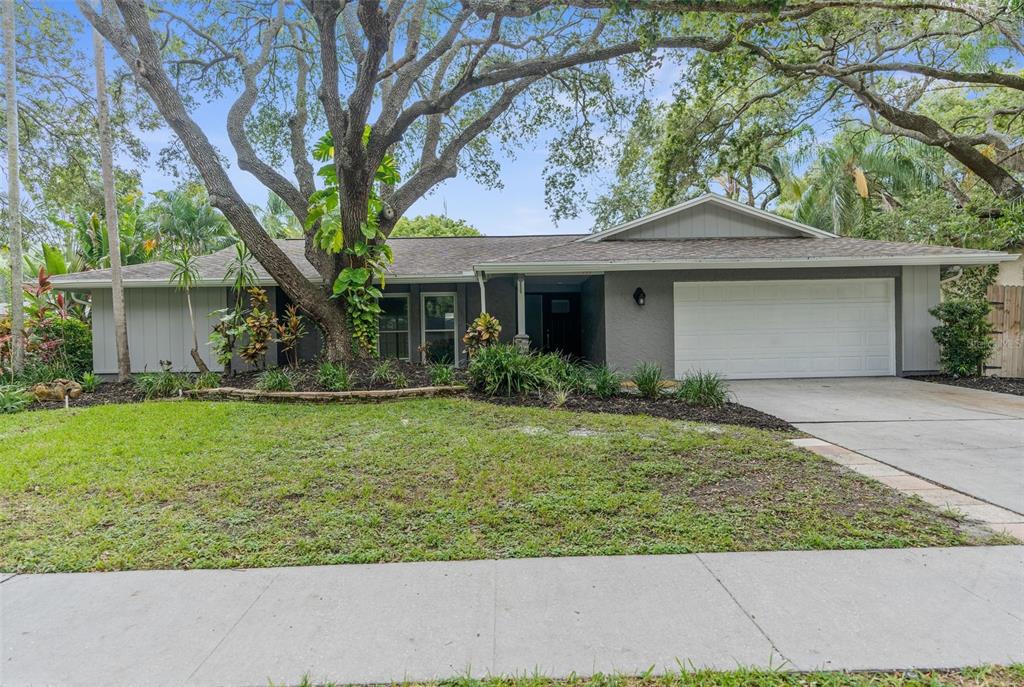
(436,84)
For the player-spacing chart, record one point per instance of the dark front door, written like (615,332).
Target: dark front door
(562,324)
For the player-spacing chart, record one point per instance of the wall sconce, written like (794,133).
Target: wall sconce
(640,297)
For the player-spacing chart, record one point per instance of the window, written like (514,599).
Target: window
(439,327)
(393,327)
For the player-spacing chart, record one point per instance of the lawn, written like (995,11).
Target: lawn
(188,484)
(981,676)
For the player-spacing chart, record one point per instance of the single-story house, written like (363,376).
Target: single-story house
(708,284)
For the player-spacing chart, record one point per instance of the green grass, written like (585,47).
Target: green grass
(983,676)
(192,484)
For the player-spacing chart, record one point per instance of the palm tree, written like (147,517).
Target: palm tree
(185,276)
(124,367)
(861,171)
(13,193)
(278,219)
(184,217)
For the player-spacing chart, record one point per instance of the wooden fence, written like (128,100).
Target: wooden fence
(1006,315)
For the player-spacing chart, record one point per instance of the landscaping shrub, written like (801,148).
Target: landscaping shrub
(90,382)
(75,348)
(13,398)
(483,331)
(162,384)
(504,369)
(383,372)
(964,336)
(399,380)
(275,379)
(441,375)
(604,381)
(706,389)
(39,372)
(557,372)
(647,378)
(206,380)
(333,376)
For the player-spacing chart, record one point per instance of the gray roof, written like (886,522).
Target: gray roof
(458,257)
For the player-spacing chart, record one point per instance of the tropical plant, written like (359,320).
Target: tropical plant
(483,331)
(185,276)
(39,372)
(399,380)
(185,219)
(604,381)
(559,397)
(206,380)
(13,398)
(275,379)
(278,220)
(504,369)
(700,388)
(90,382)
(290,333)
(241,273)
(441,374)
(162,384)
(334,376)
(964,335)
(647,379)
(558,372)
(383,372)
(259,326)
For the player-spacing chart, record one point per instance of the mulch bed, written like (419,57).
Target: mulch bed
(1003,385)
(669,408)
(304,379)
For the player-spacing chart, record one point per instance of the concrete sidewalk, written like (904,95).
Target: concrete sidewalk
(880,609)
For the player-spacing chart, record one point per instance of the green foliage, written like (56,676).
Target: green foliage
(483,331)
(432,226)
(604,381)
(90,382)
(701,388)
(259,325)
(383,372)
(39,372)
(441,374)
(13,398)
(399,380)
(185,220)
(557,372)
(74,350)
(334,376)
(162,384)
(366,252)
(964,335)
(504,369)
(275,379)
(647,379)
(290,333)
(206,380)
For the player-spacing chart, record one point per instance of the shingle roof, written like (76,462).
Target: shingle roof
(457,258)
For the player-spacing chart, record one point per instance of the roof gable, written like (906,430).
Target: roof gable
(708,217)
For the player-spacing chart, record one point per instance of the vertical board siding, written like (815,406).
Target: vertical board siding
(1006,317)
(920,286)
(707,221)
(158,328)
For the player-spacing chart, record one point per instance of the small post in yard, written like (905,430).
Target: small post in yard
(521,339)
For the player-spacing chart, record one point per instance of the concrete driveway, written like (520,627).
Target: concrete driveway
(965,439)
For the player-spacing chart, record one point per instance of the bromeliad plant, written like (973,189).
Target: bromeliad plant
(367,257)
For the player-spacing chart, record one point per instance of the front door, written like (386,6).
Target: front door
(562,324)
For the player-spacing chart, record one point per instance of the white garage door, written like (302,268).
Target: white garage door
(799,328)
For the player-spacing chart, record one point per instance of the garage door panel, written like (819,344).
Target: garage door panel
(790,328)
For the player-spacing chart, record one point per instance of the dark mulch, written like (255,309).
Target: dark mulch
(305,376)
(1003,385)
(667,407)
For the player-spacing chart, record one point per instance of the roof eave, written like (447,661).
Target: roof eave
(598,266)
(89,284)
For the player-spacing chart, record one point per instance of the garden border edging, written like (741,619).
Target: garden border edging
(330,396)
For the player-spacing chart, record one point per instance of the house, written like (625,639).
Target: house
(709,284)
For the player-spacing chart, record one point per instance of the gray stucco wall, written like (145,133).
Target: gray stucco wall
(637,334)
(158,328)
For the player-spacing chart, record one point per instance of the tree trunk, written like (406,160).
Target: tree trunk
(13,194)
(200,363)
(124,366)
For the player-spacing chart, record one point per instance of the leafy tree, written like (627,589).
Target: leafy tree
(964,335)
(184,218)
(433,225)
(278,220)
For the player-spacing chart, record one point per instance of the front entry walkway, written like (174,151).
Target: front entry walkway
(969,440)
(832,610)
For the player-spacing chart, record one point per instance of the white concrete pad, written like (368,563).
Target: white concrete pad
(362,624)
(557,616)
(884,610)
(123,628)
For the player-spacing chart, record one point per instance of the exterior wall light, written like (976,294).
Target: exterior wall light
(640,297)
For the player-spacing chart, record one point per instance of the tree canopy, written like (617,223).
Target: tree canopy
(433,225)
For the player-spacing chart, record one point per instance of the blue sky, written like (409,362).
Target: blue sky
(518,208)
